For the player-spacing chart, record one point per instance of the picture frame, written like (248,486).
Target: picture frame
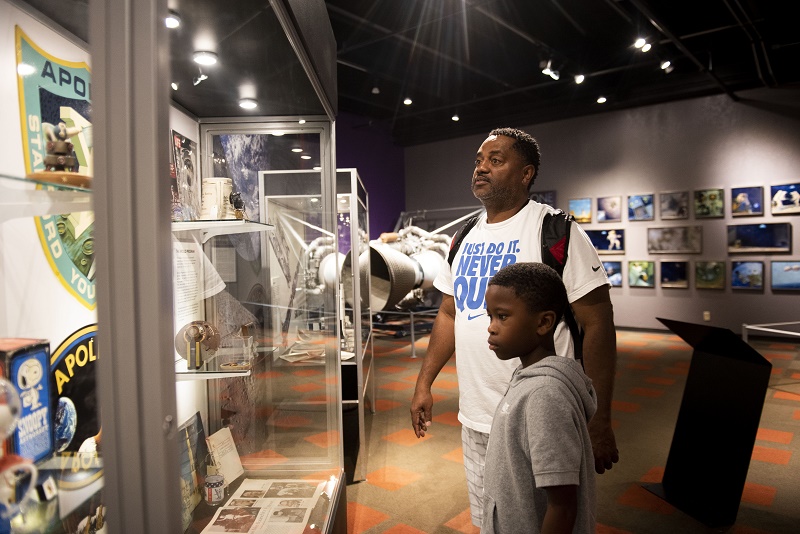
(543,197)
(709,275)
(747,275)
(614,272)
(185,187)
(581,209)
(709,203)
(785,199)
(675,274)
(747,201)
(609,209)
(759,238)
(675,240)
(641,273)
(785,275)
(611,241)
(640,207)
(674,205)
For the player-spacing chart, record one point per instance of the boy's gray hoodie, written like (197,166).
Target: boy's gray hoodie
(540,438)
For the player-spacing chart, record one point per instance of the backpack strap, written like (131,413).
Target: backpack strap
(459,237)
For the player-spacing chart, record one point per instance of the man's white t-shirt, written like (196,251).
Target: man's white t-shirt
(482,377)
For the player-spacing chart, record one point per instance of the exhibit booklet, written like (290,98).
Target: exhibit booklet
(224,455)
(265,505)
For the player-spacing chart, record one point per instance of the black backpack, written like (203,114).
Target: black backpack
(555,245)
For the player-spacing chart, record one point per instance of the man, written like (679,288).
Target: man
(506,166)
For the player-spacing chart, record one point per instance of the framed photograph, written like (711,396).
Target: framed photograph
(709,203)
(675,274)
(746,201)
(581,209)
(640,207)
(185,185)
(609,209)
(785,199)
(607,241)
(747,274)
(642,274)
(674,205)
(675,240)
(763,237)
(614,272)
(785,275)
(709,274)
(544,197)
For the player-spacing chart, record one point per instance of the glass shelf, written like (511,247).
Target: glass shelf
(17,201)
(220,227)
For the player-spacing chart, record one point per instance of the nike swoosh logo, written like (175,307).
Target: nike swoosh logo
(595,269)
(471,317)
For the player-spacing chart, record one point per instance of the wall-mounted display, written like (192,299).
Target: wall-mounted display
(747,201)
(581,209)
(640,208)
(614,272)
(674,204)
(609,209)
(543,197)
(785,199)
(763,237)
(675,240)
(675,274)
(709,203)
(642,273)
(785,275)
(747,274)
(607,241)
(709,274)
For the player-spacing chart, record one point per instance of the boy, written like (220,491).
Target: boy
(539,462)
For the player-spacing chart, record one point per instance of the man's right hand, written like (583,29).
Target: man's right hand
(421,409)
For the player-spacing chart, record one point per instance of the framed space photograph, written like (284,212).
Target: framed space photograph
(709,274)
(785,199)
(544,197)
(675,240)
(607,241)
(785,275)
(746,201)
(674,205)
(640,207)
(614,272)
(675,274)
(763,237)
(609,209)
(709,203)
(581,209)
(747,274)
(642,274)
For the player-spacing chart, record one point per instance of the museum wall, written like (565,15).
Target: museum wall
(686,145)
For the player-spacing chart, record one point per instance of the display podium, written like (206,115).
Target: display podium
(717,424)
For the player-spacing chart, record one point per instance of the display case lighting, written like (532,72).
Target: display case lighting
(204,57)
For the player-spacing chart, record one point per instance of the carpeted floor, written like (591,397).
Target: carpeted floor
(417,485)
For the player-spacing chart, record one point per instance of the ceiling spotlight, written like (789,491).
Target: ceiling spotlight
(554,74)
(601,100)
(455,117)
(297,149)
(199,78)
(646,47)
(305,156)
(248,103)
(407,101)
(174,86)
(665,65)
(579,78)
(640,42)
(173,20)
(546,67)
(376,90)
(204,57)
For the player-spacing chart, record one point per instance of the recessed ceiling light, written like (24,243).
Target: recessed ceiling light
(174,86)
(305,156)
(173,20)
(248,103)
(601,100)
(25,69)
(646,47)
(278,133)
(204,57)
(455,117)
(665,64)
(579,78)
(376,90)
(297,149)
(640,42)
(407,101)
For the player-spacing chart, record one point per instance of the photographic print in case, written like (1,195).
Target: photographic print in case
(785,275)
(186,182)
(640,208)
(785,199)
(609,209)
(709,274)
(746,201)
(614,272)
(747,274)
(581,209)
(764,237)
(675,240)
(607,241)
(674,205)
(675,274)
(642,274)
(709,203)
